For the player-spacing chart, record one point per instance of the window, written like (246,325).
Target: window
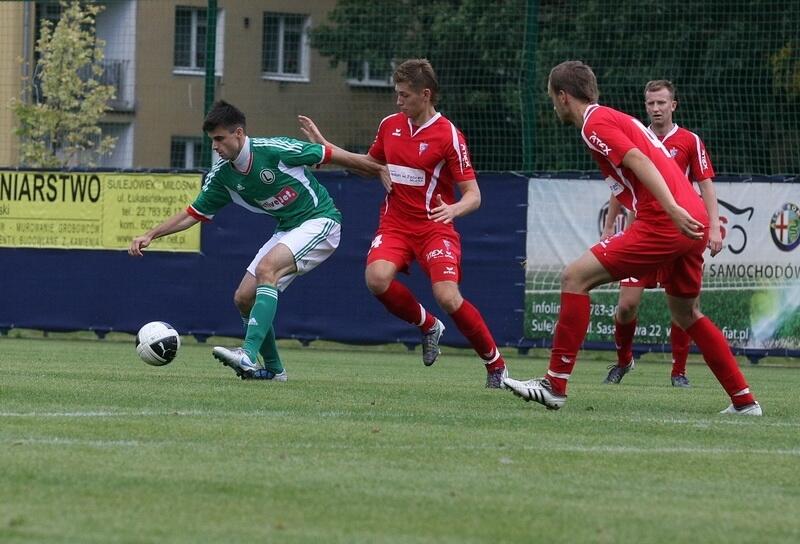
(285,46)
(186,152)
(363,74)
(191,25)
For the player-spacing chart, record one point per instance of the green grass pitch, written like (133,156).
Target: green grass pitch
(368,446)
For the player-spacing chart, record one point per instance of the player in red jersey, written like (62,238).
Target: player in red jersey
(669,234)
(690,153)
(427,159)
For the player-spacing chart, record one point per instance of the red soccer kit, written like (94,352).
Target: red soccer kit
(652,241)
(688,150)
(423,162)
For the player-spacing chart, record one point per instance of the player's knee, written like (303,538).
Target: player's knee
(626,311)
(377,283)
(448,300)
(243,301)
(571,280)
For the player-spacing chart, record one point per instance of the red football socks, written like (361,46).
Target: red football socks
(401,302)
(623,337)
(718,357)
(573,320)
(680,350)
(471,324)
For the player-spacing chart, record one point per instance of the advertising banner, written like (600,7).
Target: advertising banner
(751,289)
(92,210)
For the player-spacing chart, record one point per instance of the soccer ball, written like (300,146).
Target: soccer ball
(157,343)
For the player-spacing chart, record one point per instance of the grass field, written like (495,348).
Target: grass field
(369,446)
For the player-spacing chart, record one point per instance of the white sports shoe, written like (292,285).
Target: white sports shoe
(538,390)
(749,410)
(237,359)
(430,343)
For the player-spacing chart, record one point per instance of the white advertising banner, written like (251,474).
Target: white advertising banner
(751,288)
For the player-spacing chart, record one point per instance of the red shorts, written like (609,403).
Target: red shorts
(437,249)
(650,281)
(655,254)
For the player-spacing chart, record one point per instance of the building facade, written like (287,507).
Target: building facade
(155,59)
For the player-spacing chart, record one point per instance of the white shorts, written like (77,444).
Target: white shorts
(311,243)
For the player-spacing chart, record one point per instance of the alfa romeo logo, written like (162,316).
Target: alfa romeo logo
(267,176)
(785,227)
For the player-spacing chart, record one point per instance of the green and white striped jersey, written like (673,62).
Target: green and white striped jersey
(277,183)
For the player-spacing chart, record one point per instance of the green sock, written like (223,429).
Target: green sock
(269,351)
(261,317)
(270,357)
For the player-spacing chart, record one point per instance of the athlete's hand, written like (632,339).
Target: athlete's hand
(138,244)
(687,224)
(715,242)
(608,232)
(443,212)
(386,179)
(311,131)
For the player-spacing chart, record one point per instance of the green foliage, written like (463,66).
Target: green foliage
(735,65)
(474,47)
(61,129)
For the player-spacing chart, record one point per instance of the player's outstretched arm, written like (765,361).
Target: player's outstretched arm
(178,222)
(644,169)
(364,165)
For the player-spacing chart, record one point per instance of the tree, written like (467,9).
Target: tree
(474,47)
(60,128)
(736,66)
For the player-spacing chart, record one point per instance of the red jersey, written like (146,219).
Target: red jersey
(689,152)
(609,135)
(423,162)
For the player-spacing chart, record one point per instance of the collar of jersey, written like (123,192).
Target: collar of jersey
(245,153)
(431,121)
(588,111)
(672,131)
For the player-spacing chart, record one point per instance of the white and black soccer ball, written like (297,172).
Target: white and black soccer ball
(157,343)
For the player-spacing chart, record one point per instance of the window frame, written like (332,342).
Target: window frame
(369,81)
(189,143)
(305,50)
(219,56)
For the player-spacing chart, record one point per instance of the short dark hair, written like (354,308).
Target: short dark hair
(223,114)
(658,84)
(576,79)
(419,74)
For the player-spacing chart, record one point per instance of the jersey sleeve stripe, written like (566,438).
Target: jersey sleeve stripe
(457,147)
(699,153)
(197,215)
(327,154)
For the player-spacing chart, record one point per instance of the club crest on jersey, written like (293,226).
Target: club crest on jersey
(673,152)
(267,176)
(422,147)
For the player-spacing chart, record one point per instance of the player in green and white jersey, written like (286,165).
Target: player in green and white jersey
(268,176)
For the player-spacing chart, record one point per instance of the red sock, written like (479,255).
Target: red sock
(471,324)
(680,349)
(400,301)
(573,320)
(623,337)
(720,360)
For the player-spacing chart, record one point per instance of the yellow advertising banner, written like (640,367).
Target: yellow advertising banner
(93,210)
